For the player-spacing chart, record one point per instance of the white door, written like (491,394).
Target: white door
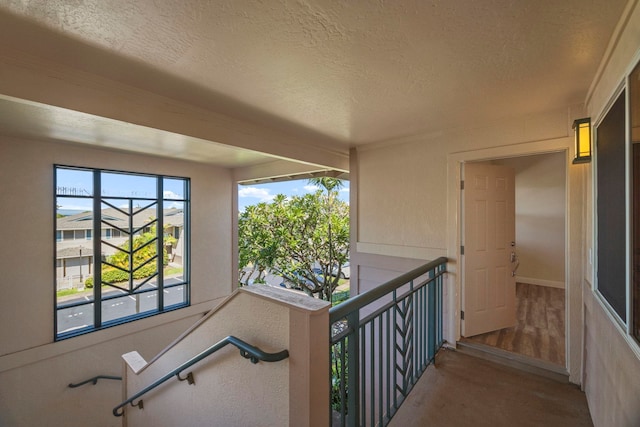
(489,259)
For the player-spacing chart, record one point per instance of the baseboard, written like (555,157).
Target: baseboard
(517,361)
(540,282)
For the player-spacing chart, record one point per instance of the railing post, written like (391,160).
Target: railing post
(431,313)
(440,280)
(353,372)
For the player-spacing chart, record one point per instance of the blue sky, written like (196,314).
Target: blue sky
(80,182)
(256,193)
(124,185)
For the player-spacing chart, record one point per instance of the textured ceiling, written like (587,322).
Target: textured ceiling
(353,71)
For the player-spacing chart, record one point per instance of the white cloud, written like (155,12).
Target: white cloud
(262,194)
(168,194)
(177,205)
(344,190)
(311,188)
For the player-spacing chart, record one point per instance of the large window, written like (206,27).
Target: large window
(634,114)
(618,163)
(141,222)
(611,210)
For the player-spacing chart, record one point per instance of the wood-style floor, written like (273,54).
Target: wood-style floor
(539,332)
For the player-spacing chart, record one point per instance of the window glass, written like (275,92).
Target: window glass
(611,207)
(634,114)
(142,265)
(127,185)
(174,189)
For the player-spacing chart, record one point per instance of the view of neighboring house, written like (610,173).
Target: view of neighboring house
(74,240)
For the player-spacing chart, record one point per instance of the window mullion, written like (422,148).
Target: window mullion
(131,237)
(97,250)
(160,241)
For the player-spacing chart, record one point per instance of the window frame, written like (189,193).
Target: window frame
(632,285)
(603,291)
(96,199)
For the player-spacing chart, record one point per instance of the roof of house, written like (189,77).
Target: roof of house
(74,252)
(118,218)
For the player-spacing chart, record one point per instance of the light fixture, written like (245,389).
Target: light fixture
(582,131)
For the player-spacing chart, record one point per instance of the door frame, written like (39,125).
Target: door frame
(574,195)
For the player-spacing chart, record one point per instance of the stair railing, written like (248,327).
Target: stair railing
(94,380)
(254,354)
(381,342)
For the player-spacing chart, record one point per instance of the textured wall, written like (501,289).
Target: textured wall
(30,363)
(612,358)
(611,369)
(229,390)
(402,191)
(540,217)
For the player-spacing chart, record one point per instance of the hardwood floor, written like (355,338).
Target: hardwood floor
(540,329)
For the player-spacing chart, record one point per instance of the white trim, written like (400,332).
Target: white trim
(454,161)
(617,323)
(541,282)
(611,48)
(400,251)
(47,351)
(624,328)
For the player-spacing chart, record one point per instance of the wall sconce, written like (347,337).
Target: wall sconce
(582,131)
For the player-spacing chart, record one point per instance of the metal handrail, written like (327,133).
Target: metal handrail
(95,379)
(254,354)
(340,311)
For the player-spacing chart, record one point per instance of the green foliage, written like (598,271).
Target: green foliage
(339,297)
(291,236)
(168,271)
(66,292)
(143,248)
(337,379)
(88,283)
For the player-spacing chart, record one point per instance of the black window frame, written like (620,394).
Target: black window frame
(97,199)
(633,115)
(610,205)
(623,302)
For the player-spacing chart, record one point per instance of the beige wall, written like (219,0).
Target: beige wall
(612,357)
(611,369)
(230,390)
(402,192)
(407,193)
(31,364)
(540,217)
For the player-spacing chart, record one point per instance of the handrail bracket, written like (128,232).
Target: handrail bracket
(246,355)
(188,378)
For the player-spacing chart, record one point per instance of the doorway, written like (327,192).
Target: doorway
(540,218)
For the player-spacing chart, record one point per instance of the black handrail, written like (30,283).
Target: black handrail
(340,311)
(95,379)
(246,350)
